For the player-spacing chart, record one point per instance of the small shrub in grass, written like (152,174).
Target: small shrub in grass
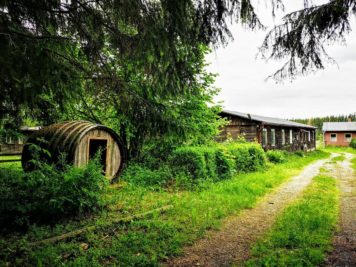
(299,153)
(353,143)
(276,156)
(48,194)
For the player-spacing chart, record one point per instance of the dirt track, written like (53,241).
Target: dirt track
(232,243)
(344,245)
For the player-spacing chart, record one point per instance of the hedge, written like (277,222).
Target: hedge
(218,162)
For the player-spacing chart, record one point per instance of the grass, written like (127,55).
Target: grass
(15,164)
(303,232)
(151,240)
(338,158)
(339,149)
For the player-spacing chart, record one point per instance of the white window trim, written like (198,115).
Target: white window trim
(273,137)
(331,138)
(291,136)
(348,139)
(309,138)
(283,137)
(264,137)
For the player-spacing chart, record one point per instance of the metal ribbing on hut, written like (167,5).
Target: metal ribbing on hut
(77,141)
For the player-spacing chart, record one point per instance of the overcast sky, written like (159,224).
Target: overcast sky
(241,78)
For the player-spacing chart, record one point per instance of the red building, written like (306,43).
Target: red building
(338,133)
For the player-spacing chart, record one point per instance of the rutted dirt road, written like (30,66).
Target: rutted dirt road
(344,245)
(232,243)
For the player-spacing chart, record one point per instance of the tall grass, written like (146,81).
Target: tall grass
(303,232)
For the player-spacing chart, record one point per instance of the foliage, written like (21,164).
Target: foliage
(217,161)
(276,156)
(303,232)
(151,240)
(353,143)
(101,61)
(48,194)
(142,175)
(303,34)
(248,156)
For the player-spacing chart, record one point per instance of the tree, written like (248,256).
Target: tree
(139,61)
(302,37)
(142,60)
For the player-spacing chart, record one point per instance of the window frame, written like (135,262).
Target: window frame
(348,139)
(331,137)
(264,137)
(283,137)
(273,137)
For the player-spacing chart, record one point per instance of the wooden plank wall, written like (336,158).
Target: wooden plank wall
(299,141)
(252,130)
(113,156)
(11,148)
(239,127)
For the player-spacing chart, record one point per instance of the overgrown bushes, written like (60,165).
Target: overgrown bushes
(276,156)
(189,165)
(353,143)
(48,194)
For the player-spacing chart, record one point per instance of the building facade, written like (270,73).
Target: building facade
(338,133)
(271,133)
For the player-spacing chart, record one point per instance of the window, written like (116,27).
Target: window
(283,138)
(309,136)
(333,137)
(273,137)
(348,137)
(291,136)
(264,137)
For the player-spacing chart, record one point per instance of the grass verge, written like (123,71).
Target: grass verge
(148,241)
(303,232)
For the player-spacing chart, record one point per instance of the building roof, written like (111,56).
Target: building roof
(268,120)
(339,126)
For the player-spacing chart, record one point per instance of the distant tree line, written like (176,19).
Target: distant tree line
(318,121)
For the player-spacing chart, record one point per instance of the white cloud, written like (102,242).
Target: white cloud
(244,88)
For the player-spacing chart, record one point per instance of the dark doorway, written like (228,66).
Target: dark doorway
(96,145)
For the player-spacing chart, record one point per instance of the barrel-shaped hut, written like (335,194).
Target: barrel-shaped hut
(76,142)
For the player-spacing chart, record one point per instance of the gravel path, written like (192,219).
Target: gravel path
(232,243)
(344,245)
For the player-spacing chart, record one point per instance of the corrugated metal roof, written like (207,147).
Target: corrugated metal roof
(339,126)
(268,120)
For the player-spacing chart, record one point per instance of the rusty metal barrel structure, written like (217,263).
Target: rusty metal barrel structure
(76,142)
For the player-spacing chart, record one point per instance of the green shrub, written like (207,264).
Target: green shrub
(141,175)
(218,161)
(299,153)
(191,160)
(249,157)
(225,164)
(276,156)
(48,194)
(353,143)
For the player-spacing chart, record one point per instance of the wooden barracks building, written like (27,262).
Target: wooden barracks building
(271,133)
